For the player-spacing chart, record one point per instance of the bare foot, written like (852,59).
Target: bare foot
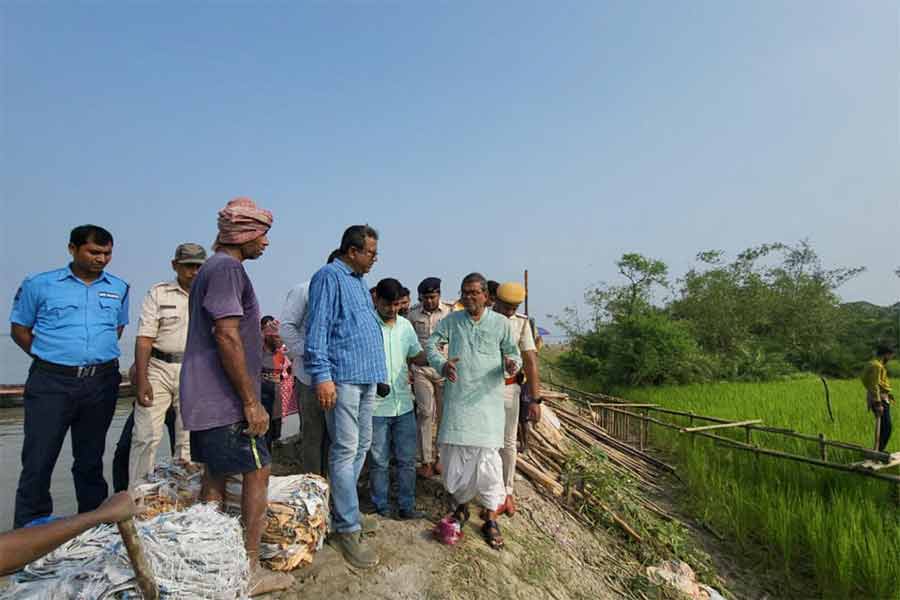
(425,471)
(263,581)
(510,505)
(500,509)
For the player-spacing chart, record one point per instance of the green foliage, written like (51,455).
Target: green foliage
(650,349)
(771,312)
(604,489)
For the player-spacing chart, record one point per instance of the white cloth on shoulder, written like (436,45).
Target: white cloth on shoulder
(472,472)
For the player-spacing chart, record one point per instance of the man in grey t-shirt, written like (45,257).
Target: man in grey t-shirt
(220,378)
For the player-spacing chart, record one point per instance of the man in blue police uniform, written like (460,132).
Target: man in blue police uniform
(69,321)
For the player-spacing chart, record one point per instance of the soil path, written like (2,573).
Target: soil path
(548,554)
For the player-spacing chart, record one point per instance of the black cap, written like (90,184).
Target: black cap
(429,285)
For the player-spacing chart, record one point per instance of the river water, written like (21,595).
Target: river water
(62,488)
(14,370)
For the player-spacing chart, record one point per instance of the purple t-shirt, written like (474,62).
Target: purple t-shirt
(220,289)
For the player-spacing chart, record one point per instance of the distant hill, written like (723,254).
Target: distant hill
(870,310)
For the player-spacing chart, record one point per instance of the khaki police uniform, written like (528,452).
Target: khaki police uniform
(524,338)
(427,382)
(164,317)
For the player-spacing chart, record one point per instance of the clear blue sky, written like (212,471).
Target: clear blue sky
(488,136)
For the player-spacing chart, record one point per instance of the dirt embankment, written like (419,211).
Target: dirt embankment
(548,554)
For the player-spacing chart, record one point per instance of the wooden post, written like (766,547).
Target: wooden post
(627,420)
(691,424)
(823,449)
(642,431)
(526,292)
(143,573)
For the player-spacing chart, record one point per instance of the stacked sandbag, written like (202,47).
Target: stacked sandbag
(296,518)
(197,553)
(171,487)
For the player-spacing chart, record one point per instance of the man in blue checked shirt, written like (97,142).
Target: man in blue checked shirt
(344,358)
(69,321)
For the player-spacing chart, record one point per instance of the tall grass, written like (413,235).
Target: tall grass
(841,529)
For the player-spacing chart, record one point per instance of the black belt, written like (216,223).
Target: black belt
(169,357)
(80,372)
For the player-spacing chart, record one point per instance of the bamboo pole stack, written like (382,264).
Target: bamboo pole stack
(561,430)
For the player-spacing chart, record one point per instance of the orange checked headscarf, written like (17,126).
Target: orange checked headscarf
(241,221)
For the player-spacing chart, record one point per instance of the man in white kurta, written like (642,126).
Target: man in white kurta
(480,348)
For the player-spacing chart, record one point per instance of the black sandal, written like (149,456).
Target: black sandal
(461,514)
(491,531)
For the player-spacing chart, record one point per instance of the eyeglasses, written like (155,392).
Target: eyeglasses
(369,253)
(470,292)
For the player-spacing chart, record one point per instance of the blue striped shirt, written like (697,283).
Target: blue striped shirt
(343,331)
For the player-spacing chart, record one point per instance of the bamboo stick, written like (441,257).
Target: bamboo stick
(803,459)
(619,404)
(609,440)
(621,523)
(869,453)
(721,426)
(538,476)
(143,573)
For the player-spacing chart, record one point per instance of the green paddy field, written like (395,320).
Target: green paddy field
(838,531)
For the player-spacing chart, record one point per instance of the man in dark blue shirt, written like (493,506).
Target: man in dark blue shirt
(69,321)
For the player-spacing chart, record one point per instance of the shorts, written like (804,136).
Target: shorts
(227,450)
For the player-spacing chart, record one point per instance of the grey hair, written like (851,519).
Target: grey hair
(475,278)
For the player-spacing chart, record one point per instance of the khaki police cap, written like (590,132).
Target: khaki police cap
(511,292)
(186,254)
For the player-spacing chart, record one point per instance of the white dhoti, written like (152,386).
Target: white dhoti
(471,472)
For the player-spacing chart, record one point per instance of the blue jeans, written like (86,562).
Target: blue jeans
(350,430)
(393,437)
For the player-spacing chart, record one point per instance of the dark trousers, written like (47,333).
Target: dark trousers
(313,433)
(886,426)
(271,393)
(55,404)
(123,449)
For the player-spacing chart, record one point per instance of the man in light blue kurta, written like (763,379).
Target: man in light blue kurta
(480,348)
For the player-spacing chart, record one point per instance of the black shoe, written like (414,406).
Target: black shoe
(409,515)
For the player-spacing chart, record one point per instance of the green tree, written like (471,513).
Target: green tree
(771,310)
